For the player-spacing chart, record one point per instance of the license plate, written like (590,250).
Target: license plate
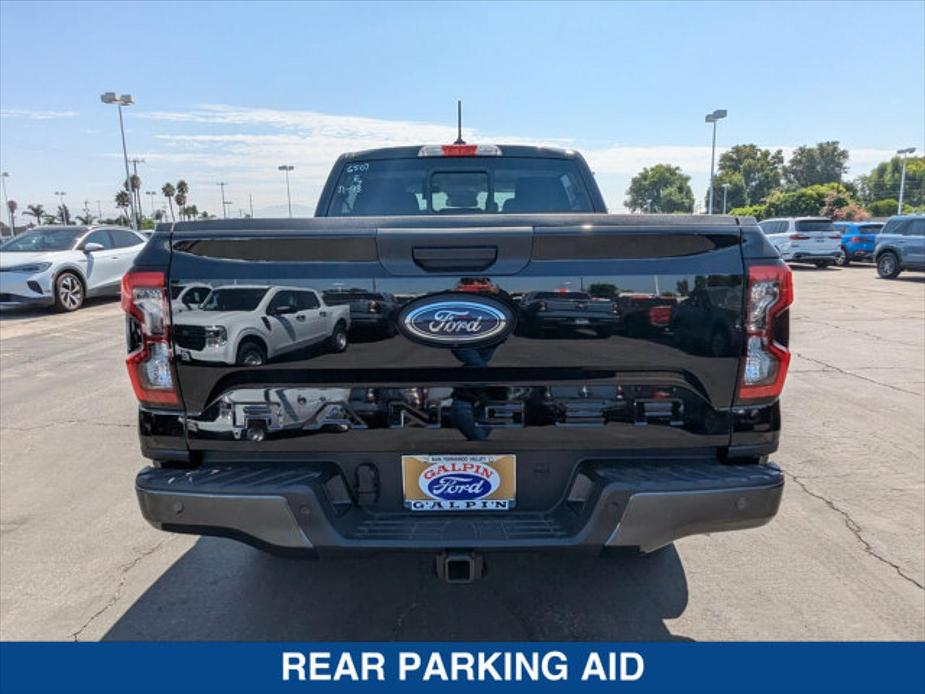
(582,321)
(459,482)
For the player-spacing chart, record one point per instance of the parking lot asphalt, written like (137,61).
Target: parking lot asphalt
(843,560)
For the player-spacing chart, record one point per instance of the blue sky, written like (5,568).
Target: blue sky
(227,91)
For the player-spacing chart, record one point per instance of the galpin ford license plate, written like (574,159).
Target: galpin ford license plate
(459,482)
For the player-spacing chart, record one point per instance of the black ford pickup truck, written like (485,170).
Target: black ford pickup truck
(455,432)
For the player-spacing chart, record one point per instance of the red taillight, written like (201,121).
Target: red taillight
(856,239)
(459,151)
(798,237)
(660,316)
(835,236)
(150,361)
(769,295)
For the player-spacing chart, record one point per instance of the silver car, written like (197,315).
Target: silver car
(63,265)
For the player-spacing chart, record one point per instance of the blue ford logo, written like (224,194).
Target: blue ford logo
(459,481)
(451,322)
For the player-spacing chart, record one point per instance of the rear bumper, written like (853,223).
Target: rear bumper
(305,508)
(803,256)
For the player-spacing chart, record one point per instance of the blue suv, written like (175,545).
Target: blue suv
(857,241)
(901,245)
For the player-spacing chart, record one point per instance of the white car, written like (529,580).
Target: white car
(63,265)
(813,240)
(187,297)
(249,325)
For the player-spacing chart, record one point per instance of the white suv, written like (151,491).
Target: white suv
(812,240)
(248,325)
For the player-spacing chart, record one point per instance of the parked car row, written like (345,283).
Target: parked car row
(62,266)
(894,246)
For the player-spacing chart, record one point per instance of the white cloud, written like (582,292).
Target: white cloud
(36,115)
(243,146)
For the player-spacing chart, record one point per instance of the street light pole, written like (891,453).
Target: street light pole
(151,194)
(718,114)
(725,191)
(250,199)
(120,101)
(222,184)
(902,178)
(6,201)
(99,209)
(287,168)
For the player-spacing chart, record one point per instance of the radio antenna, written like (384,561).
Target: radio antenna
(459,140)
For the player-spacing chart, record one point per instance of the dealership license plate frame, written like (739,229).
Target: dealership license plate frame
(417,500)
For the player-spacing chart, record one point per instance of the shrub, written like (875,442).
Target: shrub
(759,212)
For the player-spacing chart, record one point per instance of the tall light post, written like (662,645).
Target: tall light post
(99,209)
(222,184)
(287,168)
(725,193)
(120,101)
(902,178)
(61,194)
(6,201)
(718,114)
(151,195)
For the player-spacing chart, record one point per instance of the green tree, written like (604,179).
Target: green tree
(180,197)
(123,202)
(662,186)
(882,183)
(169,191)
(11,207)
(759,212)
(822,199)
(735,193)
(85,219)
(883,208)
(36,211)
(826,162)
(753,173)
(64,214)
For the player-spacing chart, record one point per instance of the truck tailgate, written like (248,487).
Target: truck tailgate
(657,374)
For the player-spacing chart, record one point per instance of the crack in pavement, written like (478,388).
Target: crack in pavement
(859,332)
(123,573)
(855,529)
(858,376)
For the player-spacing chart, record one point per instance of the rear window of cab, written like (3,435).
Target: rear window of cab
(459,185)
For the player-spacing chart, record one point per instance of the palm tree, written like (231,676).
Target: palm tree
(64,214)
(135,180)
(123,202)
(204,215)
(12,206)
(169,191)
(158,215)
(37,211)
(190,212)
(85,219)
(49,218)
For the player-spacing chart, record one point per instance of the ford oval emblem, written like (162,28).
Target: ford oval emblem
(459,482)
(449,321)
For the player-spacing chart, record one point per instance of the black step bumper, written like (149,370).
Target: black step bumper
(609,505)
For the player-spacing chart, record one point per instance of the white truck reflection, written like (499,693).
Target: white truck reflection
(250,325)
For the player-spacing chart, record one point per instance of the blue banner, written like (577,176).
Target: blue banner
(229,668)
